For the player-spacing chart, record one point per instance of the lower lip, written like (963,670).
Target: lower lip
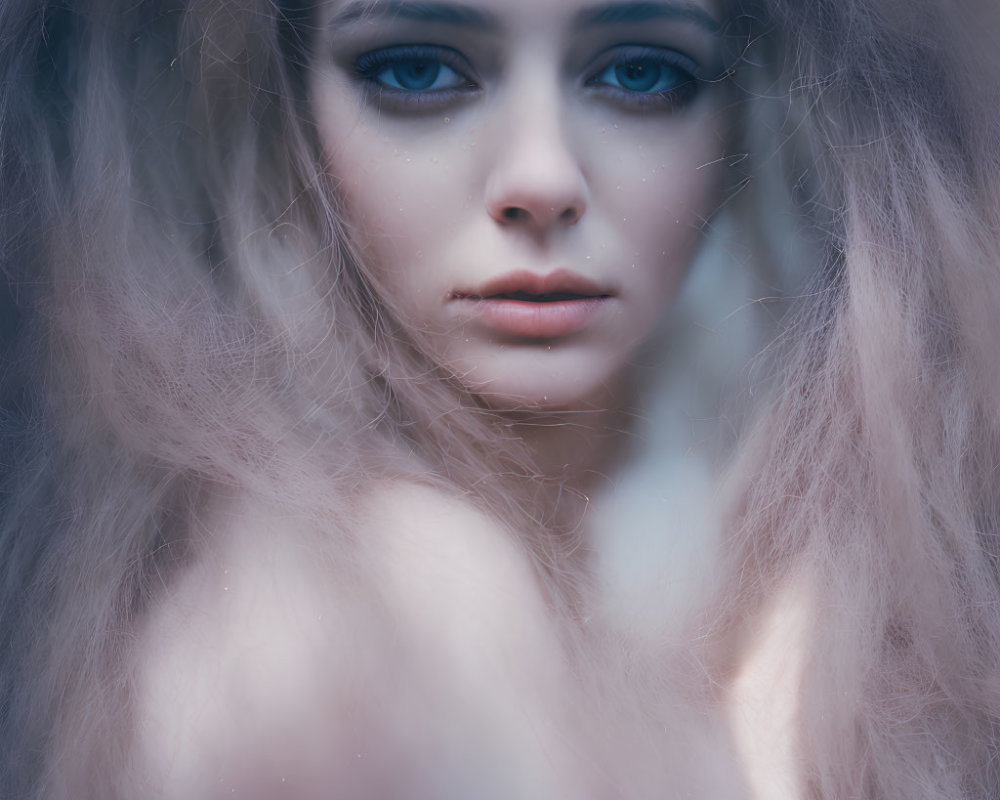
(538,320)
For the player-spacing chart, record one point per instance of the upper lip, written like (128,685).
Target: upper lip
(561,283)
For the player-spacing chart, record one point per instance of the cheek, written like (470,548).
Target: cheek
(659,196)
(400,202)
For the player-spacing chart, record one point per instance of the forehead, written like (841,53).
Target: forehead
(506,14)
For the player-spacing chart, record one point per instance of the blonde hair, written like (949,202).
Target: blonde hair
(197,320)
(872,468)
(195,316)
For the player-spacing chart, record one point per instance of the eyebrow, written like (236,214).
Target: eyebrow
(426,12)
(459,15)
(633,12)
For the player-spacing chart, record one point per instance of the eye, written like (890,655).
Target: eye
(418,75)
(410,76)
(647,78)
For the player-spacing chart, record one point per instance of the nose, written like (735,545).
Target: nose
(537,182)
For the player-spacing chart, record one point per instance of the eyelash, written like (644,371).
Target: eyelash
(680,73)
(378,71)
(371,66)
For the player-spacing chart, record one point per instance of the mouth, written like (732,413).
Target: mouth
(528,287)
(542,297)
(532,306)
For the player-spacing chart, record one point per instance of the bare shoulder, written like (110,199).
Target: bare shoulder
(764,697)
(442,549)
(283,649)
(223,656)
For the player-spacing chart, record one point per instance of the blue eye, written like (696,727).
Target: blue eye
(410,75)
(645,77)
(642,76)
(418,75)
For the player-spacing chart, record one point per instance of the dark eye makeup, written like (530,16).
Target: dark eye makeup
(415,76)
(426,77)
(644,78)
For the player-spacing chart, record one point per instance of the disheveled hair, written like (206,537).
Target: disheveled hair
(873,472)
(194,317)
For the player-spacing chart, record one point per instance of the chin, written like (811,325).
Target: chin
(543,395)
(539,378)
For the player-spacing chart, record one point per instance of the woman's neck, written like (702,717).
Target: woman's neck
(578,448)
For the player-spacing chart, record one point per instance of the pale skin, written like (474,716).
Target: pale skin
(269,672)
(470,142)
(526,153)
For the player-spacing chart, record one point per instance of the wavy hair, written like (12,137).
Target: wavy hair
(194,319)
(872,472)
(192,316)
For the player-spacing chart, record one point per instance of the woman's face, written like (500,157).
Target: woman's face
(527,180)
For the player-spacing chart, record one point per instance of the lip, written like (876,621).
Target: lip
(526,304)
(561,281)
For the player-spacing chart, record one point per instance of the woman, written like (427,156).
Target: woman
(330,327)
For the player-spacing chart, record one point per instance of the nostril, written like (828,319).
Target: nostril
(514,213)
